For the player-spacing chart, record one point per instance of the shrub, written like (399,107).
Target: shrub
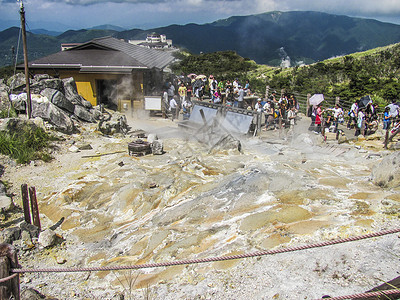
(29,144)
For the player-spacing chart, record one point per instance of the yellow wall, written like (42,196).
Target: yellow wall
(86,84)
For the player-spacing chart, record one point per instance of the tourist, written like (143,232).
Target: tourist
(182,91)
(173,106)
(291,116)
(186,106)
(269,114)
(318,118)
(360,122)
(240,98)
(386,118)
(171,90)
(258,107)
(353,115)
(217,97)
(337,116)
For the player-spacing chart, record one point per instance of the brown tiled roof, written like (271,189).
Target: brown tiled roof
(106,55)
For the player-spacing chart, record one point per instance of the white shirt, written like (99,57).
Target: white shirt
(173,103)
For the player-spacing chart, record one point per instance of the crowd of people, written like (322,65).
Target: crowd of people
(276,111)
(177,96)
(364,119)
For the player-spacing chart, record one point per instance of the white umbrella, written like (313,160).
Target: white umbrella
(316,99)
(201,76)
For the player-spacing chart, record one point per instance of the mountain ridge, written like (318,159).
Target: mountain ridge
(268,38)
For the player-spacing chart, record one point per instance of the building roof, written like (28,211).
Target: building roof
(106,54)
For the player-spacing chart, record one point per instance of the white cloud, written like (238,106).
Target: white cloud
(154,13)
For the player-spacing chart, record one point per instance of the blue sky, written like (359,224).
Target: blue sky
(60,15)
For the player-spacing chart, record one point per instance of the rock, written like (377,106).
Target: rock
(5,102)
(31,294)
(61,260)
(6,203)
(3,189)
(360,138)
(39,122)
(26,241)
(17,82)
(43,108)
(84,114)
(116,123)
(17,125)
(387,173)
(96,113)
(51,83)
(48,238)
(32,229)
(18,101)
(9,235)
(227,142)
(84,146)
(38,77)
(152,137)
(71,92)
(58,98)
(73,149)
(157,147)
(378,135)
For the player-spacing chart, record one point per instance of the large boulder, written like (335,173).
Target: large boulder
(18,101)
(17,82)
(52,83)
(58,98)
(16,125)
(6,203)
(84,114)
(71,93)
(43,108)
(4,96)
(387,173)
(116,123)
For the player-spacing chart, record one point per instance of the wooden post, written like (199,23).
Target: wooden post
(34,207)
(28,91)
(25,203)
(8,260)
(337,100)
(266,92)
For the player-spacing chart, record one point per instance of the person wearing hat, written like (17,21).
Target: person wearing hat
(259,107)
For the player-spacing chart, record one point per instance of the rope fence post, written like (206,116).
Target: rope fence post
(34,207)
(9,285)
(25,203)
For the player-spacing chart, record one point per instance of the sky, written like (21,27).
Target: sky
(60,15)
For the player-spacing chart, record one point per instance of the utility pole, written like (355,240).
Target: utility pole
(28,90)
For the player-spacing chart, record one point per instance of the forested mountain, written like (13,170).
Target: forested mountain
(272,37)
(269,38)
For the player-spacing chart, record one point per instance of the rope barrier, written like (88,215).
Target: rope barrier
(366,295)
(211,259)
(8,278)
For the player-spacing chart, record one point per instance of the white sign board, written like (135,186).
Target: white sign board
(152,102)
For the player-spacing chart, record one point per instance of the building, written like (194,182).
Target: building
(66,46)
(108,70)
(154,41)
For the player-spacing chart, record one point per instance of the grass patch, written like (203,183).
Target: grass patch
(26,145)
